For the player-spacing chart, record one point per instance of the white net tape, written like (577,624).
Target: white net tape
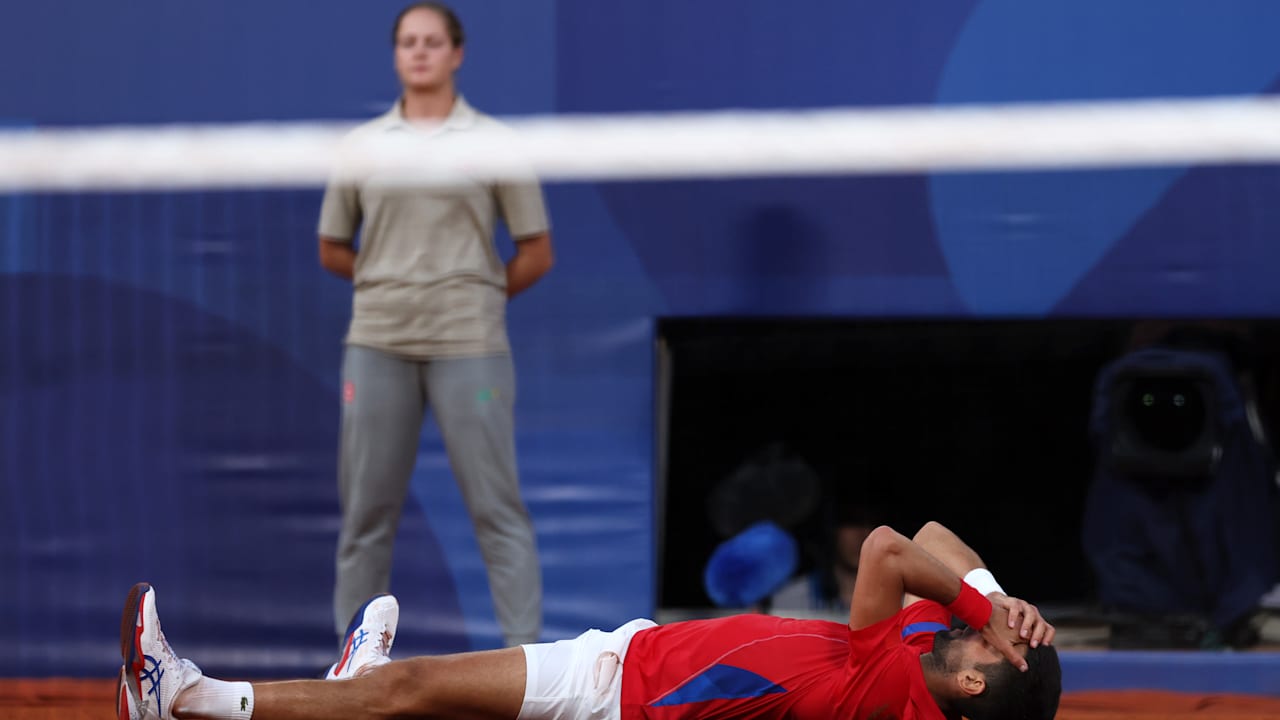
(1064,135)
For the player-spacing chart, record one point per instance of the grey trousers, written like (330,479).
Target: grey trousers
(472,399)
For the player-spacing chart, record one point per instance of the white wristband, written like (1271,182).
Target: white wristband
(983,581)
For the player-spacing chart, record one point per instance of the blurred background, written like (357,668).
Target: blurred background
(705,354)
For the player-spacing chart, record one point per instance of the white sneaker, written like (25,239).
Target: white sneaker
(152,675)
(369,638)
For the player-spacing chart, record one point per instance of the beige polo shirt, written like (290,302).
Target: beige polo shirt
(428,278)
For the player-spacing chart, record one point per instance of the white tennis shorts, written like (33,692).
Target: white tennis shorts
(578,679)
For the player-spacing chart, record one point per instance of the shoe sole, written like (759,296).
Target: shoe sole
(122,698)
(130,636)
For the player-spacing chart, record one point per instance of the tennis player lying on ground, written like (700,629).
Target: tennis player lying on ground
(896,658)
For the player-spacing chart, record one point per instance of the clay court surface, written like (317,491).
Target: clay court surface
(65,699)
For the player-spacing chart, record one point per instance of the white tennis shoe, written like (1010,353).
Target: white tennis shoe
(369,638)
(152,675)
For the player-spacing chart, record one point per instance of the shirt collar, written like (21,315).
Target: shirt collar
(460,117)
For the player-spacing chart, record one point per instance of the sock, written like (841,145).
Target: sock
(220,699)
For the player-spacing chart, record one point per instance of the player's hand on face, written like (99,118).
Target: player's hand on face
(1000,635)
(1025,619)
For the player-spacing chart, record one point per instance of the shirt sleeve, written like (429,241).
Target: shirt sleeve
(519,198)
(340,211)
(874,639)
(522,207)
(884,669)
(920,621)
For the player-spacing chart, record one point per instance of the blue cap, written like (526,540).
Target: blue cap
(750,566)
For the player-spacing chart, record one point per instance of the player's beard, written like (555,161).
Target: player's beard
(943,650)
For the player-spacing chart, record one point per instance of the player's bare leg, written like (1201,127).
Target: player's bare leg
(157,684)
(485,685)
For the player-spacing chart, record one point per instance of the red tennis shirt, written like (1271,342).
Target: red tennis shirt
(762,667)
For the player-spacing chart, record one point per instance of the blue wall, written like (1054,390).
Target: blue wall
(169,361)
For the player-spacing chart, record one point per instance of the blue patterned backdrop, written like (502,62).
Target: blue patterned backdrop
(169,361)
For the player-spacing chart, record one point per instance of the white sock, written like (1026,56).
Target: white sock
(220,699)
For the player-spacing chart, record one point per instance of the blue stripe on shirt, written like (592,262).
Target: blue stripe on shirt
(929,627)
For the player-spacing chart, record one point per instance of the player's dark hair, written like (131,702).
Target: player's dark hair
(1012,694)
(452,24)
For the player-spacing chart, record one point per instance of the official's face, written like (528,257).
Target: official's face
(425,56)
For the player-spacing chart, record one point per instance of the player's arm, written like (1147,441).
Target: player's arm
(942,543)
(891,565)
(338,257)
(533,259)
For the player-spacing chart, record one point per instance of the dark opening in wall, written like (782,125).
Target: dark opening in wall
(979,424)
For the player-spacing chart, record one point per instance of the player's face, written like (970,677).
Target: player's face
(963,647)
(425,55)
